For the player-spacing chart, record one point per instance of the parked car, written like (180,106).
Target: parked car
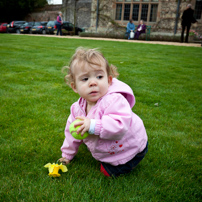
(51,27)
(3,27)
(14,26)
(67,28)
(26,28)
(39,28)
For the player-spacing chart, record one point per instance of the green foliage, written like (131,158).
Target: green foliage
(103,35)
(18,9)
(35,104)
(121,35)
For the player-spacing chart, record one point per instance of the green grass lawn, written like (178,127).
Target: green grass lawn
(35,104)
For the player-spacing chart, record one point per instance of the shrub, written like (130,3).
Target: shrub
(102,35)
(122,36)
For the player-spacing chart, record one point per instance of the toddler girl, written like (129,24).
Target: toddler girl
(117,136)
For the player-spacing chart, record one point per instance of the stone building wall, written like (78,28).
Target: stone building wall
(46,13)
(195,26)
(86,15)
(166,17)
(82,12)
(106,14)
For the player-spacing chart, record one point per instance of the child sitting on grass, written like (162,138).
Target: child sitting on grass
(117,137)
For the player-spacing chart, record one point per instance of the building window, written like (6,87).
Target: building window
(153,13)
(127,11)
(198,9)
(144,12)
(137,10)
(118,11)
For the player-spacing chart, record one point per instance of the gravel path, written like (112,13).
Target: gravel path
(124,40)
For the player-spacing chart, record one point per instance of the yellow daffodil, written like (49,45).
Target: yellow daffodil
(54,168)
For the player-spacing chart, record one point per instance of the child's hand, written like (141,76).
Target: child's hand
(84,123)
(64,161)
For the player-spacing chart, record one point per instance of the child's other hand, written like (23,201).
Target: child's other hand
(84,123)
(64,161)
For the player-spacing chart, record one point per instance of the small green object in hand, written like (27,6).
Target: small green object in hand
(73,130)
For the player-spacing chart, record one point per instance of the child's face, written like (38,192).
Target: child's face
(91,83)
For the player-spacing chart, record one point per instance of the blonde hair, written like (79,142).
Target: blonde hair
(90,56)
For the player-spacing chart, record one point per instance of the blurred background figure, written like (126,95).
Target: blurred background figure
(140,29)
(130,27)
(187,19)
(59,23)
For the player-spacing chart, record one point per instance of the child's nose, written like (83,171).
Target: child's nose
(92,82)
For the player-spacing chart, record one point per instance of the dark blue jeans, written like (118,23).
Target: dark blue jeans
(59,29)
(115,171)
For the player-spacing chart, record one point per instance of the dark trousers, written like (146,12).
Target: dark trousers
(187,33)
(115,171)
(59,30)
(137,34)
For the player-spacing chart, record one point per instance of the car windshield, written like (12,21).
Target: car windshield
(43,23)
(37,23)
(26,24)
(51,23)
(20,22)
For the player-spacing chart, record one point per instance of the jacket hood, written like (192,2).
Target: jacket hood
(122,88)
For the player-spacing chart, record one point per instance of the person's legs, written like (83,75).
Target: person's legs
(137,34)
(61,30)
(128,35)
(115,171)
(57,29)
(182,34)
(102,170)
(187,34)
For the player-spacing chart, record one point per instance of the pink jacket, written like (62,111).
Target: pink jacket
(59,19)
(119,133)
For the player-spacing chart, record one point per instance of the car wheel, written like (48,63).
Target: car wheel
(78,32)
(18,31)
(44,31)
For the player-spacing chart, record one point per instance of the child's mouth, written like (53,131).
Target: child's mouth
(93,93)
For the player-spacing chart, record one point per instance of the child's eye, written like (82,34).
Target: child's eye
(100,77)
(85,79)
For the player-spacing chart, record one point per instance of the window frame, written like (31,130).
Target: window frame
(140,3)
(120,14)
(196,10)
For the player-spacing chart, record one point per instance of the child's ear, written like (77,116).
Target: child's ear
(110,80)
(74,87)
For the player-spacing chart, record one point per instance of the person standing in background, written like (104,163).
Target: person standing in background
(59,23)
(187,19)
